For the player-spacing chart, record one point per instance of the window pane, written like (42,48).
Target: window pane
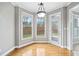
(40,27)
(75,27)
(27,26)
(55,26)
(78,22)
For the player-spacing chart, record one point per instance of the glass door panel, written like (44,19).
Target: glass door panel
(75,31)
(54,29)
(55,33)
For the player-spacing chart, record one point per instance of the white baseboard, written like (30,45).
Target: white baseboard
(69,48)
(64,46)
(24,44)
(31,43)
(41,42)
(54,44)
(58,45)
(8,51)
(28,44)
(75,53)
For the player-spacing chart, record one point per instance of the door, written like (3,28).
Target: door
(55,29)
(75,32)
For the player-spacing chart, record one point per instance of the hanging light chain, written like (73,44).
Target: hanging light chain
(41,7)
(41,11)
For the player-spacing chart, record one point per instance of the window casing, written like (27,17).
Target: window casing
(26,25)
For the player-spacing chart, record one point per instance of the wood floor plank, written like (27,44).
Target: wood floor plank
(40,50)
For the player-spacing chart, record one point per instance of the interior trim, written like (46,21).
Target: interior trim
(4,54)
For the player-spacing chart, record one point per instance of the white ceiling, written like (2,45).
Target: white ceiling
(33,6)
(76,8)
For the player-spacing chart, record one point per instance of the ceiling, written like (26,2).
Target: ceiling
(33,6)
(76,8)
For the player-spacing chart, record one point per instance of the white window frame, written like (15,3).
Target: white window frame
(60,28)
(36,29)
(78,22)
(69,35)
(21,24)
(71,31)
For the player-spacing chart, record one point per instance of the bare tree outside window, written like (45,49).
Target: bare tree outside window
(40,26)
(27,28)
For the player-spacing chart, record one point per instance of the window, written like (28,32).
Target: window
(75,28)
(40,26)
(55,26)
(27,26)
(78,22)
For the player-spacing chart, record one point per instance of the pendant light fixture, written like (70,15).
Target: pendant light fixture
(41,11)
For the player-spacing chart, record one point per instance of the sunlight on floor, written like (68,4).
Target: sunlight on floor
(40,50)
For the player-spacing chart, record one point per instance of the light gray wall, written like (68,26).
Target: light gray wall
(17,27)
(64,20)
(19,12)
(7,30)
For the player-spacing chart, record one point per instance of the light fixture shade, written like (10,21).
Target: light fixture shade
(41,13)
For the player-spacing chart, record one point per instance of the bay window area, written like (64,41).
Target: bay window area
(27,27)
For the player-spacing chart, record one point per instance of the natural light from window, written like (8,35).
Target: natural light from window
(27,26)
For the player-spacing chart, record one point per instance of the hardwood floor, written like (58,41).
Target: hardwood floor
(40,50)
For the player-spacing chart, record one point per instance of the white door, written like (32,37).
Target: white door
(55,28)
(75,32)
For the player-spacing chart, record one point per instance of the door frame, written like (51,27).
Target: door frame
(50,29)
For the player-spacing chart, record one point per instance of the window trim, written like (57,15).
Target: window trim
(36,29)
(60,28)
(21,24)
